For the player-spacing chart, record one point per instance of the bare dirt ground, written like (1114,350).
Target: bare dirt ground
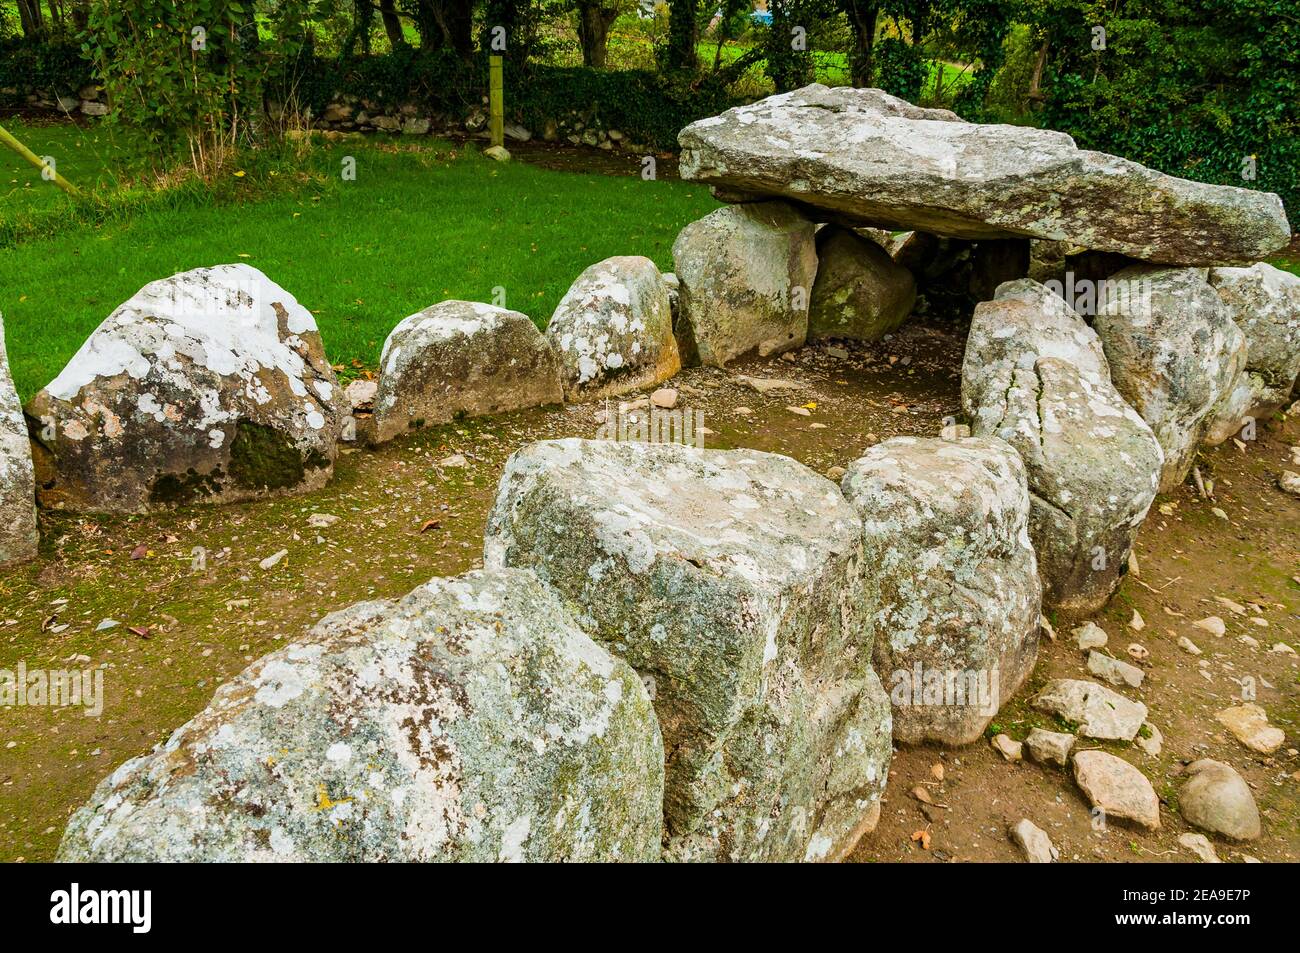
(184,624)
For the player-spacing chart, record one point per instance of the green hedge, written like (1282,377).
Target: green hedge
(29,67)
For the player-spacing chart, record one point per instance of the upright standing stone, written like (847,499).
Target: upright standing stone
(860,293)
(732,581)
(1173,352)
(470,720)
(461,358)
(746,274)
(613,330)
(954,594)
(208,385)
(18,536)
(1036,375)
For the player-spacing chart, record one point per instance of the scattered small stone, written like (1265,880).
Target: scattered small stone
(1046,627)
(1281,648)
(664,398)
(1211,624)
(1034,842)
(835,473)
(270,562)
(106,624)
(1248,640)
(801,411)
(1114,671)
(1049,747)
(1236,608)
(1008,747)
(1138,652)
(1218,512)
(1089,636)
(1217,799)
(1249,723)
(1150,740)
(1199,845)
(1137,624)
(768,385)
(321,520)
(1118,788)
(1099,711)
(1289,482)
(455,460)
(1188,646)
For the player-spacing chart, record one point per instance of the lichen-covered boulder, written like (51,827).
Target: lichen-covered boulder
(18,535)
(954,594)
(461,358)
(1265,303)
(746,274)
(864,156)
(613,330)
(470,720)
(1036,376)
(732,581)
(859,292)
(1173,352)
(208,385)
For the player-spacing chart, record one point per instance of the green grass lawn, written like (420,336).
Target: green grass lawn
(420,224)
(85,155)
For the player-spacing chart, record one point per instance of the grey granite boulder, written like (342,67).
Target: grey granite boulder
(1174,352)
(1217,799)
(470,720)
(746,276)
(18,535)
(732,581)
(462,358)
(208,385)
(860,293)
(1265,303)
(1036,376)
(954,594)
(1096,710)
(865,157)
(613,330)
(1118,789)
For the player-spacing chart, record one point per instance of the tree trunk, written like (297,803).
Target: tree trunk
(31,18)
(594,21)
(392,25)
(862,16)
(1036,81)
(683,33)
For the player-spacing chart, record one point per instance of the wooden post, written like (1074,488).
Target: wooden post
(7,138)
(495,93)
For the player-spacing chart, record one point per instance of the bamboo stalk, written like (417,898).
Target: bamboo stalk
(7,138)
(496,86)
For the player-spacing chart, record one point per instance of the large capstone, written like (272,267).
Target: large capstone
(733,582)
(613,330)
(865,157)
(18,535)
(211,384)
(746,274)
(860,292)
(1265,303)
(1173,352)
(468,721)
(461,358)
(1036,376)
(954,595)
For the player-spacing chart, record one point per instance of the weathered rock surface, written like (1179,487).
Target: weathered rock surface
(732,581)
(1116,671)
(954,594)
(1249,724)
(468,721)
(462,358)
(746,274)
(1098,711)
(1036,375)
(1265,303)
(1217,799)
(1049,747)
(211,384)
(18,534)
(1199,845)
(1118,788)
(1174,352)
(863,156)
(859,293)
(1034,842)
(613,330)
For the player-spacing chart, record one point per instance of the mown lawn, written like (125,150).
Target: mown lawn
(420,224)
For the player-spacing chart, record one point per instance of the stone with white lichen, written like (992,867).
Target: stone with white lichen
(471,720)
(868,158)
(860,292)
(1036,375)
(461,358)
(613,330)
(1095,709)
(954,595)
(1174,353)
(1265,303)
(18,534)
(746,274)
(208,385)
(732,581)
